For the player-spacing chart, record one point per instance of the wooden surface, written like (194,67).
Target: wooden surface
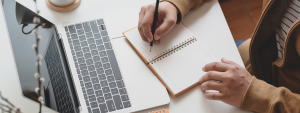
(74,5)
(241,16)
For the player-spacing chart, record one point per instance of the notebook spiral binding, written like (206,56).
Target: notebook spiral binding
(172,50)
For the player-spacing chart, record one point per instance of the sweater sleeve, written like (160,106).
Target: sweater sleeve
(262,97)
(184,6)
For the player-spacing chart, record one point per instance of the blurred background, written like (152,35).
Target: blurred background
(241,16)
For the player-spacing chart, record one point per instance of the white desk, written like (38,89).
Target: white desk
(206,22)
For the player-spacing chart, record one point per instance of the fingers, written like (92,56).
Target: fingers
(214,95)
(147,23)
(223,60)
(140,27)
(211,85)
(212,75)
(165,27)
(216,66)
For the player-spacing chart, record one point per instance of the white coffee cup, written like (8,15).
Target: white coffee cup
(61,3)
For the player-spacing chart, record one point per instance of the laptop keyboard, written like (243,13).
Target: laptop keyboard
(98,71)
(58,79)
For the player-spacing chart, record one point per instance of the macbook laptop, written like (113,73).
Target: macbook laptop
(86,70)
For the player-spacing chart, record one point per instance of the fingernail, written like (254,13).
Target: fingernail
(225,60)
(148,39)
(200,80)
(157,37)
(203,68)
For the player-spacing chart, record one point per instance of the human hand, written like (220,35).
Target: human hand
(227,77)
(166,20)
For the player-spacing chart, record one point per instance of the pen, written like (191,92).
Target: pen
(154,23)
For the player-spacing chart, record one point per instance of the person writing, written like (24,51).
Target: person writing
(271,80)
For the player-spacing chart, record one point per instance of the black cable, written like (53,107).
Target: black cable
(24,25)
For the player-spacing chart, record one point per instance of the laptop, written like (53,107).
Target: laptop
(86,70)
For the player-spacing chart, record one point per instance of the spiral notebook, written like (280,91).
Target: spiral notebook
(177,61)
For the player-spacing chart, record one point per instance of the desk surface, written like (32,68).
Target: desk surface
(206,22)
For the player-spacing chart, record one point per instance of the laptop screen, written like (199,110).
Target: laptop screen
(57,88)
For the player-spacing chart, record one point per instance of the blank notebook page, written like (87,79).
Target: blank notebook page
(177,35)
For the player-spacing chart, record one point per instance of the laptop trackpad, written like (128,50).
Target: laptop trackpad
(144,89)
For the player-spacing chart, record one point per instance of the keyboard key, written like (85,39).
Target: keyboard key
(86,49)
(82,66)
(102,77)
(99,42)
(96,110)
(100,21)
(85,96)
(124,97)
(74,58)
(91,41)
(77,48)
(107,96)
(88,85)
(101,48)
(86,79)
(89,35)
(105,89)
(82,38)
(97,86)
(76,64)
(72,29)
(110,78)
(100,99)
(118,102)
(104,83)
(78,26)
(89,61)
(96,58)
(80,77)
(94,52)
(104,60)
(87,55)
(97,36)
(99,93)
(92,98)
(98,64)
(90,92)
(73,52)
(108,45)
(103,108)
(112,85)
(108,72)
(84,72)
(114,65)
(93,73)
(81,60)
(114,91)
(83,90)
(76,42)
(82,83)
(105,39)
(103,33)
(110,105)
(87,103)
(102,53)
(66,29)
(84,44)
(86,27)
(79,54)
(122,91)
(74,37)
(93,46)
(94,26)
(120,84)
(126,104)
(70,40)
(68,35)
(80,32)
(91,68)
(100,71)
(95,80)
(106,66)
(94,105)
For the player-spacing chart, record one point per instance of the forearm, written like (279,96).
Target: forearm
(185,5)
(262,97)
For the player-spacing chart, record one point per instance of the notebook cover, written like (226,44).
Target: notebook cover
(155,71)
